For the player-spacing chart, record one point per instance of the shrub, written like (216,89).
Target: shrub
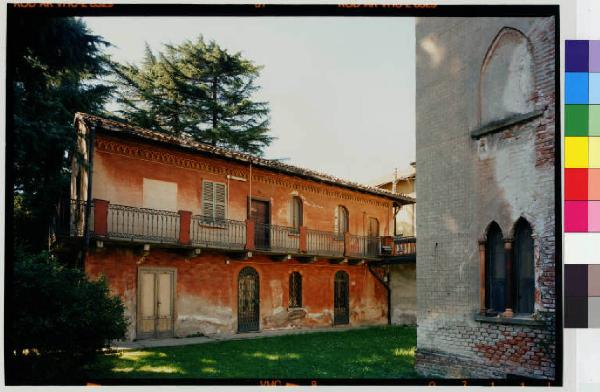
(60,320)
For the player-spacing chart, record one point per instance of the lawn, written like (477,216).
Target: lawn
(377,352)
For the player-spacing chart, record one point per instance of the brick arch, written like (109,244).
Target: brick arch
(487,229)
(522,219)
(504,36)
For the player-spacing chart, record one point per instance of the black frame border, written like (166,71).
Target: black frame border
(294,10)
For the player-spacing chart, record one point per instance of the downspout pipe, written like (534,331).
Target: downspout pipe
(389,293)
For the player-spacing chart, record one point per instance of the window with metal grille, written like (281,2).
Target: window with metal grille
(524,275)
(214,201)
(296,213)
(295,300)
(495,285)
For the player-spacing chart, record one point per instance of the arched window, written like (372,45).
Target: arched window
(295,300)
(495,287)
(507,77)
(342,221)
(524,276)
(341,298)
(297,213)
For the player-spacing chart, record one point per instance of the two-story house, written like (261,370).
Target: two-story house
(198,239)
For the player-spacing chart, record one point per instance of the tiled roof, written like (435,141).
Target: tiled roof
(190,144)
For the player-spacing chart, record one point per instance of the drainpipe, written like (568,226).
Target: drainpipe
(249,191)
(88,207)
(389,293)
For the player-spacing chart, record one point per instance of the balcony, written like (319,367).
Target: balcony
(118,223)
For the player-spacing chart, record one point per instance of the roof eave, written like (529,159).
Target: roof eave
(136,132)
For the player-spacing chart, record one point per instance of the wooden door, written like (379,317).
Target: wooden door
(373,237)
(341,307)
(261,214)
(156,291)
(248,300)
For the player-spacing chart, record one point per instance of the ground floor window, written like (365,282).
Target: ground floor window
(295,286)
(341,303)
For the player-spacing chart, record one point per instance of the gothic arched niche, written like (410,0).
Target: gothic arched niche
(507,77)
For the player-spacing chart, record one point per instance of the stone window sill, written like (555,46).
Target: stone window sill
(516,320)
(499,125)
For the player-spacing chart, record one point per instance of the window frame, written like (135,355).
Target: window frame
(295,290)
(523,227)
(213,219)
(296,214)
(494,233)
(342,211)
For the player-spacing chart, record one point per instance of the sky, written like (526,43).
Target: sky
(341,90)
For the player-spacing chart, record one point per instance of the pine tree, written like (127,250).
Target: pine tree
(53,63)
(196,89)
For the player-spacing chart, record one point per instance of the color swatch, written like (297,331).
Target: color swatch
(582,184)
(582,296)
(582,136)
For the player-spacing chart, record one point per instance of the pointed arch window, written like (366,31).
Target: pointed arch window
(507,83)
(495,267)
(524,273)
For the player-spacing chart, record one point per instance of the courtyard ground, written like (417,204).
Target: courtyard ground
(376,352)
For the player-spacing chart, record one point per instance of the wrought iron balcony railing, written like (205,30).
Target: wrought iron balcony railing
(405,246)
(209,232)
(70,218)
(142,224)
(324,243)
(276,238)
(363,246)
(124,223)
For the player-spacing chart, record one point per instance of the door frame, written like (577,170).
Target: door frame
(139,302)
(237,298)
(263,199)
(268,203)
(347,275)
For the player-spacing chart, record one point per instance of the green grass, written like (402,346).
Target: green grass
(377,352)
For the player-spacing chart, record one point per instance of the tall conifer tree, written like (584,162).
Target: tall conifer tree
(53,61)
(196,89)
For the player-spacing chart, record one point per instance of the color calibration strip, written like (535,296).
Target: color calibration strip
(582,137)
(582,152)
(582,296)
(582,183)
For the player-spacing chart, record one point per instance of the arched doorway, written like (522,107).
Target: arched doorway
(248,300)
(341,308)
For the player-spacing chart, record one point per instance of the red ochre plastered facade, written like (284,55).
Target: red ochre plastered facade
(206,284)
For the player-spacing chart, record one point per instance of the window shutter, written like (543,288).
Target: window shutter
(220,200)
(214,200)
(207,198)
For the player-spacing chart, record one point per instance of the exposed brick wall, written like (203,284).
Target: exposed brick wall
(465,184)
